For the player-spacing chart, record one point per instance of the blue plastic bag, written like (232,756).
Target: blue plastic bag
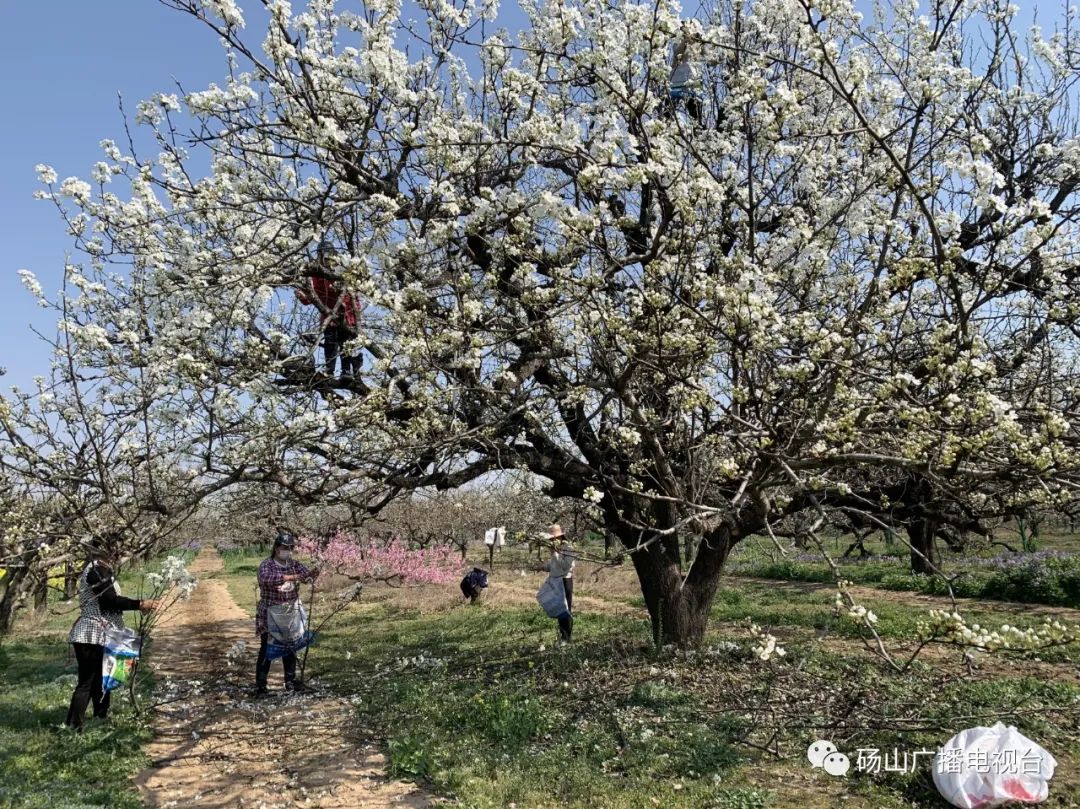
(121,657)
(552,597)
(276,649)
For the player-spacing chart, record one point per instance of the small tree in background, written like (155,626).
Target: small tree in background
(388,561)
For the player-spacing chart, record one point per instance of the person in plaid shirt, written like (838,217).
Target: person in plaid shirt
(279,577)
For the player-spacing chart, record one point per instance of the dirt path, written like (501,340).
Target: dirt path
(215,747)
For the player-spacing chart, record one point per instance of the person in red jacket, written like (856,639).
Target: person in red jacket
(339,313)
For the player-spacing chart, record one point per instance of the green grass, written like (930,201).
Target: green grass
(467,701)
(1054,582)
(44,765)
(245,553)
(241,569)
(782,609)
(1057,583)
(476,703)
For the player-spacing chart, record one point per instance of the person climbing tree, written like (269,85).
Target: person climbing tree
(339,311)
(685,82)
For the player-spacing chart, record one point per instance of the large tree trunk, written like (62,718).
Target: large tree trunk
(679,604)
(921,533)
(12,589)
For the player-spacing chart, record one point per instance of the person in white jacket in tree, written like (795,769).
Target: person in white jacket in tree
(685,82)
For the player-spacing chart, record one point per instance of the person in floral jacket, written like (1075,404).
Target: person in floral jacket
(339,311)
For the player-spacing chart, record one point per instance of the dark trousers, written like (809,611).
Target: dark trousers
(88,656)
(693,106)
(335,336)
(566,624)
(262,665)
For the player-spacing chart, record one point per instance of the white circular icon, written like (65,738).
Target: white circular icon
(837,764)
(818,750)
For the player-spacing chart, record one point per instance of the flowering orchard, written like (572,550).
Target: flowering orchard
(393,562)
(848,293)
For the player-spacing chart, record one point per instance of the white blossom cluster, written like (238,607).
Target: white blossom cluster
(236,653)
(860,614)
(174,576)
(722,648)
(954,628)
(421,661)
(766,646)
(845,605)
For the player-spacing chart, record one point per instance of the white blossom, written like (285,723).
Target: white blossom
(33,286)
(236,653)
(46,174)
(766,645)
(78,190)
(227,10)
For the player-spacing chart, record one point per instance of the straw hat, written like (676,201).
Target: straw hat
(555,531)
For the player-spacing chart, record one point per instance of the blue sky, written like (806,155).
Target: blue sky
(61,70)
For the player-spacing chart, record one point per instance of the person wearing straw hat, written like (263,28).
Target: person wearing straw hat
(561,566)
